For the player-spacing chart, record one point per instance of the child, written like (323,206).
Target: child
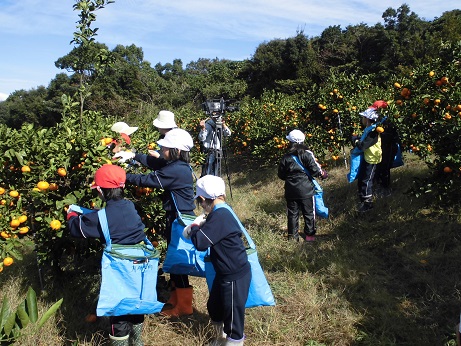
(125,227)
(370,144)
(299,189)
(221,233)
(174,177)
(125,131)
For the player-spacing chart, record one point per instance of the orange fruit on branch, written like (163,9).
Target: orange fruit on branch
(55,225)
(43,185)
(447,169)
(379,129)
(25,169)
(14,194)
(14,223)
(62,172)
(8,261)
(22,218)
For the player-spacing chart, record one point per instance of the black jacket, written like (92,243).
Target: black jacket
(297,183)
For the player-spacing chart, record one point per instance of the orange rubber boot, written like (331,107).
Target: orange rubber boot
(183,304)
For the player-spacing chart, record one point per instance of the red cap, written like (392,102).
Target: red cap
(109,177)
(379,104)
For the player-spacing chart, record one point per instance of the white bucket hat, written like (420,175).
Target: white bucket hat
(122,127)
(296,136)
(165,120)
(370,113)
(177,138)
(210,187)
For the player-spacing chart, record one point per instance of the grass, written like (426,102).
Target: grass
(388,277)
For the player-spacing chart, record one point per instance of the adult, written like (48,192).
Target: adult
(211,136)
(390,140)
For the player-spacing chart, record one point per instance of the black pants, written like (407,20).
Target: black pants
(365,181)
(227,304)
(306,206)
(122,325)
(383,169)
(180,281)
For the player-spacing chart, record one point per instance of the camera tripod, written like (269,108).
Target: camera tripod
(216,153)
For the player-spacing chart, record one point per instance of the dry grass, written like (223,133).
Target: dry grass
(389,277)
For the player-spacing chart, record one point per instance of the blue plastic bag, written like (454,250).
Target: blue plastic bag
(398,159)
(321,209)
(356,160)
(129,277)
(182,257)
(260,293)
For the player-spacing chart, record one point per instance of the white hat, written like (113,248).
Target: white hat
(122,127)
(296,136)
(177,138)
(370,113)
(165,120)
(211,187)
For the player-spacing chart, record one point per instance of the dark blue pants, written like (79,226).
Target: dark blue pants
(227,304)
(365,181)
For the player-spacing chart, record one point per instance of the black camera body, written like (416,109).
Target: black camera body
(217,108)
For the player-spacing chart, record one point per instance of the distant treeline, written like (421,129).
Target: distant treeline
(130,87)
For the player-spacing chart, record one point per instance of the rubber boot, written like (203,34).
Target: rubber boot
(183,305)
(136,335)
(172,300)
(232,342)
(119,340)
(219,338)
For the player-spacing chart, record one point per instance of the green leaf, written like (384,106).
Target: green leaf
(4,311)
(9,324)
(22,314)
(31,300)
(49,313)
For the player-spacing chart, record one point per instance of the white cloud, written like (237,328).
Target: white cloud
(34,33)
(3,96)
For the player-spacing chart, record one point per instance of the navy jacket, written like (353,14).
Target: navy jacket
(221,232)
(125,225)
(176,177)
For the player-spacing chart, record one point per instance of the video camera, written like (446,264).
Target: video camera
(216,108)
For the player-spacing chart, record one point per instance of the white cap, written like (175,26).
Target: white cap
(211,187)
(370,113)
(122,127)
(165,120)
(296,136)
(177,138)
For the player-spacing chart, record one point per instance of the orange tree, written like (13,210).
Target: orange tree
(46,170)
(427,109)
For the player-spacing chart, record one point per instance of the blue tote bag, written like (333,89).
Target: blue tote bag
(129,277)
(321,209)
(182,257)
(260,293)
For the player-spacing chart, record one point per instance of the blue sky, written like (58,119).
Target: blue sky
(35,33)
